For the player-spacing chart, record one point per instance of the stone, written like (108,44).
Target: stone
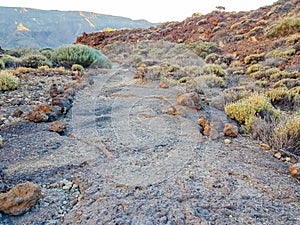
(191,100)
(20,199)
(39,114)
(227,141)
(17,113)
(265,146)
(58,126)
(163,84)
(277,155)
(231,130)
(295,170)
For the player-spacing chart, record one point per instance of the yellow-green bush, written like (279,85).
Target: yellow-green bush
(214,69)
(255,58)
(203,49)
(80,54)
(285,27)
(2,65)
(8,81)
(77,67)
(281,54)
(244,110)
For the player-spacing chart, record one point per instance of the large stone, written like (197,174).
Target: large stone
(20,199)
(191,100)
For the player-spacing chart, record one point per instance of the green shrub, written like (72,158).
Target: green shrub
(10,61)
(214,69)
(47,52)
(34,61)
(80,54)
(203,49)
(244,110)
(255,58)
(8,81)
(206,81)
(2,65)
(285,27)
(77,67)
(281,54)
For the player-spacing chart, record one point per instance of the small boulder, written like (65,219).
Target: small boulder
(58,126)
(163,84)
(231,130)
(20,199)
(17,113)
(295,170)
(191,100)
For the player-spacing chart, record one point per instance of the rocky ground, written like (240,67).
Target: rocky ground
(134,153)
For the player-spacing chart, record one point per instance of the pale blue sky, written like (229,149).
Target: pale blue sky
(152,10)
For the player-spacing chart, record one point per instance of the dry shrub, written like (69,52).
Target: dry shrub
(281,133)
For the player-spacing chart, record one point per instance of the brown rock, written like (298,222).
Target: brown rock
(163,84)
(17,113)
(191,100)
(20,199)
(205,125)
(58,126)
(265,147)
(231,130)
(295,170)
(37,116)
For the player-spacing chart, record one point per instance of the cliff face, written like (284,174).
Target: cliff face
(237,33)
(21,27)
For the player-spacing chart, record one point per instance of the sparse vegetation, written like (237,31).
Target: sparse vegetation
(285,27)
(8,81)
(80,54)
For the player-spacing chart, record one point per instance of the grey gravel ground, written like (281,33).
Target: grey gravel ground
(126,160)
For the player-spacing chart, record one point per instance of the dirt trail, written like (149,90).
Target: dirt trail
(135,163)
(156,168)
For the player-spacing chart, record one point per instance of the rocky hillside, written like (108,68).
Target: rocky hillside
(24,27)
(237,33)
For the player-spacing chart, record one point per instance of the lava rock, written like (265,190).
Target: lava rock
(231,130)
(20,199)
(191,100)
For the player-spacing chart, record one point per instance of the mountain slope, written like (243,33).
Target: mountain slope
(237,33)
(24,27)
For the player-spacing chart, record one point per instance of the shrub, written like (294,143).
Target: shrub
(203,49)
(205,81)
(34,61)
(8,81)
(2,65)
(80,54)
(214,69)
(281,133)
(10,61)
(47,52)
(285,27)
(77,67)
(255,58)
(244,110)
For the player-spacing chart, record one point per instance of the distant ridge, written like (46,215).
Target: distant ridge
(34,28)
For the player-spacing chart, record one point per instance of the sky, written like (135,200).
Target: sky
(151,10)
